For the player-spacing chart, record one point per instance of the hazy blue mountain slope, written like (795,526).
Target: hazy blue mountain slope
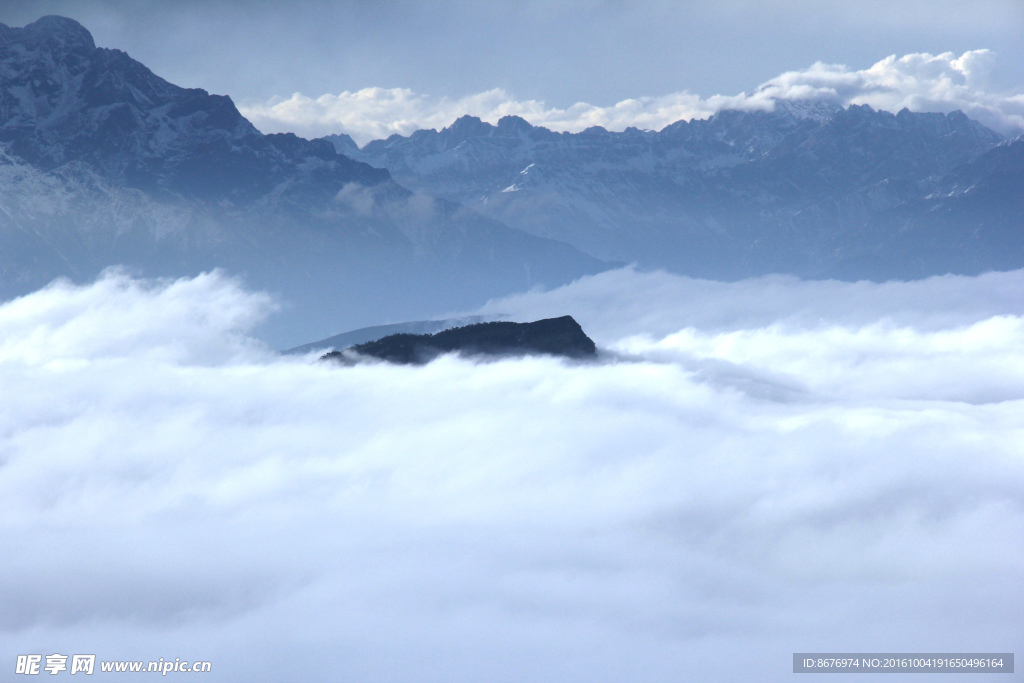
(972,220)
(808,188)
(102,162)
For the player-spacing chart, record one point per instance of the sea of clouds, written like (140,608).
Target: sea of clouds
(919,81)
(751,469)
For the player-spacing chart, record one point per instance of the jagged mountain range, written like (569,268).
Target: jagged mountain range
(808,188)
(103,162)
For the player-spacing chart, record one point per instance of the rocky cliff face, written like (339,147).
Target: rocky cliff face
(808,188)
(65,100)
(102,162)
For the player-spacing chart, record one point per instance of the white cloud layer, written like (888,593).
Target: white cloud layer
(756,468)
(919,82)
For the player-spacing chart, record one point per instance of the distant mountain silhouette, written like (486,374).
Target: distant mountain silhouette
(554,336)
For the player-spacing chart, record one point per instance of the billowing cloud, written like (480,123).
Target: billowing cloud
(754,468)
(919,82)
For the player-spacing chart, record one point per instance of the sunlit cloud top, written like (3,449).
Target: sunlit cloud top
(167,487)
(920,82)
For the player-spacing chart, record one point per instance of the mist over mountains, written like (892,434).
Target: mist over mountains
(811,189)
(749,466)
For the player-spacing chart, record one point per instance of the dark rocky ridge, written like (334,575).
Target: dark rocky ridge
(552,336)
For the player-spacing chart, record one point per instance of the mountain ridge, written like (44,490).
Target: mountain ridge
(810,189)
